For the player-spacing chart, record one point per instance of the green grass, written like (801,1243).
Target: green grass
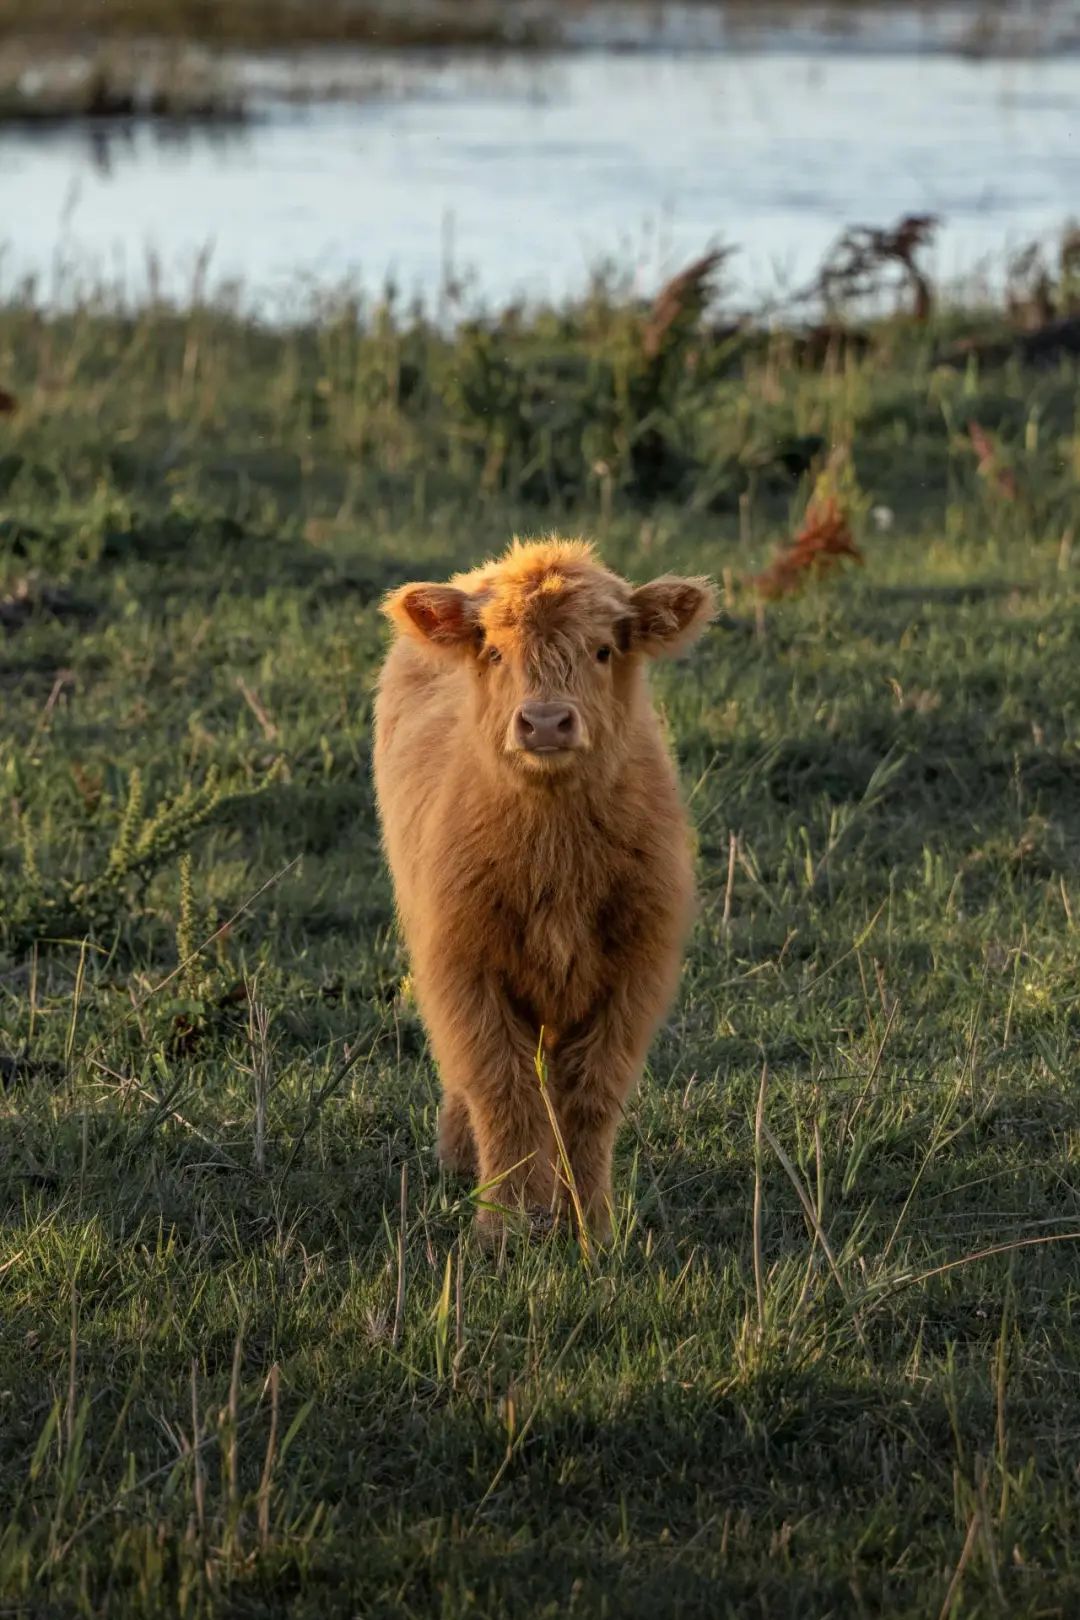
(252,1361)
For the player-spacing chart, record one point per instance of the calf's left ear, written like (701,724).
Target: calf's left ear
(669,614)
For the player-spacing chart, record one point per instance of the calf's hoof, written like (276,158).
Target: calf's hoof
(598,1228)
(531,1224)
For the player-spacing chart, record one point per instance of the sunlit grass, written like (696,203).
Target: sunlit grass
(252,1358)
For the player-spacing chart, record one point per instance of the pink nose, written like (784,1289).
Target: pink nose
(545,728)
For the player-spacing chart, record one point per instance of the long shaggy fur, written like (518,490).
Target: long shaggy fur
(535,894)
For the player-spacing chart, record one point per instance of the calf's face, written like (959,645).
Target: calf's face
(553,645)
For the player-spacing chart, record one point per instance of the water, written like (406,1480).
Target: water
(528,172)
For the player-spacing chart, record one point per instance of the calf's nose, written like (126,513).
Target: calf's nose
(542,728)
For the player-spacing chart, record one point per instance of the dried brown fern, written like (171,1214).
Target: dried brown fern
(823,542)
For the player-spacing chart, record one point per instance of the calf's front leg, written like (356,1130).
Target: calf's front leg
(596,1067)
(457,1147)
(485,1053)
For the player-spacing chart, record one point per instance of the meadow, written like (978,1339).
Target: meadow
(252,1359)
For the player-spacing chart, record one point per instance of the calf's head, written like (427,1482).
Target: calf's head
(552,645)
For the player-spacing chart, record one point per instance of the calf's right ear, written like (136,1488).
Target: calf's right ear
(440,615)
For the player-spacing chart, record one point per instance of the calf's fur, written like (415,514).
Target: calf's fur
(536,893)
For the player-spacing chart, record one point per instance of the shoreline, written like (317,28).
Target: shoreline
(933,27)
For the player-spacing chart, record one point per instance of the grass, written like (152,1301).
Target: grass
(252,1361)
(262,23)
(280,23)
(379,23)
(115,83)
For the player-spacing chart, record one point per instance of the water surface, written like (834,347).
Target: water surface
(528,172)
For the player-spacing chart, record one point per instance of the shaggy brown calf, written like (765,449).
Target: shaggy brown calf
(539,851)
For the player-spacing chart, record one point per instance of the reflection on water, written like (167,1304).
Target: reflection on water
(106,145)
(529,172)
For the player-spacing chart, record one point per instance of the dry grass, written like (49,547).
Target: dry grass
(276,23)
(824,539)
(178,85)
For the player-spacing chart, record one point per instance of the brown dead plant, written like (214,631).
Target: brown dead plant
(858,265)
(822,543)
(680,304)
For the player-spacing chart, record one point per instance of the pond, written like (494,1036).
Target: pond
(515,176)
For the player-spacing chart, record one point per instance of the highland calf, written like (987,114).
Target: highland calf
(540,856)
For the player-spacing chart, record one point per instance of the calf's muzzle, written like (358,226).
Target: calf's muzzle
(547,728)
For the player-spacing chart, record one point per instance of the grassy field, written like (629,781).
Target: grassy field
(252,1361)
(276,23)
(395,23)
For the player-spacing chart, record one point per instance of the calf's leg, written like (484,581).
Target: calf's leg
(596,1068)
(485,1056)
(456,1146)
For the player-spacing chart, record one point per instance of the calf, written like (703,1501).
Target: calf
(539,851)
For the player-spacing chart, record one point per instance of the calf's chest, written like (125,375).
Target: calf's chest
(554,930)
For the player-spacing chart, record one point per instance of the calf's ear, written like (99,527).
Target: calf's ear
(438,614)
(669,614)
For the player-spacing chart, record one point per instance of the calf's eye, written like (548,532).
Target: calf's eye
(603,654)
(494,655)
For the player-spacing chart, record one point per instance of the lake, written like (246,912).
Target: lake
(519,174)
